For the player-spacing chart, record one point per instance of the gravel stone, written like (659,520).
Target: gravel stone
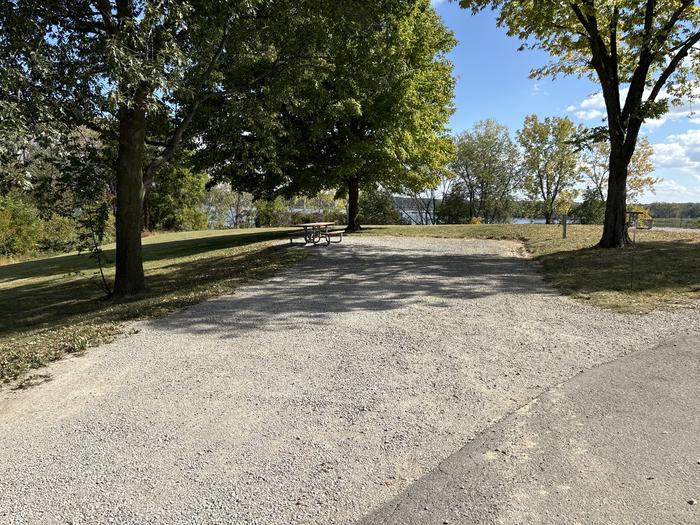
(311,397)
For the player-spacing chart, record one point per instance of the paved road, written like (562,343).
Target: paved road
(616,444)
(313,397)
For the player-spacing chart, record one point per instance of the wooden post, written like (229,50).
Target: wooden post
(563,223)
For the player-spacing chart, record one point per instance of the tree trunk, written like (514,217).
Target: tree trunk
(615,225)
(129,278)
(353,205)
(547,218)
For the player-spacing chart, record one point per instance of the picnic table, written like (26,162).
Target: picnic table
(315,232)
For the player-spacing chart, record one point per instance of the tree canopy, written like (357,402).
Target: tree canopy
(148,78)
(596,169)
(370,112)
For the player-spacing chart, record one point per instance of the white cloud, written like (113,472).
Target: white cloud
(680,151)
(674,156)
(593,108)
(671,191)
(589,114)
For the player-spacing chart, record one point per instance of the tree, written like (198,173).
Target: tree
(591,210)
(550,160)
(136,72)
(379,207)
(228,209)
(175,200)
(596,169)
(642,52)
(488,167)
(371,111)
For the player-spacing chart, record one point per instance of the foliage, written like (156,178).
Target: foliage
(674,209)
(454,208)
(227,208)
(373,110)
(379,207)
(591,210)
(550,160)
(596,169)
(642,53)
(59,234)
(175,199)
(20,226)
(488,169)
(137,74)
(271,213)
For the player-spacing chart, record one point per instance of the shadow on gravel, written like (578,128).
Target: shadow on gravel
(350,278)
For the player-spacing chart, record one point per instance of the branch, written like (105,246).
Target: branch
(672,65)
(176,140)
(105,9)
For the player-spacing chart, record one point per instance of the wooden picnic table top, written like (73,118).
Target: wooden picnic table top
(315,224)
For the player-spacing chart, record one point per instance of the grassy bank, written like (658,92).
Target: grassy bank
(53,306)
(677,223)
(661,271)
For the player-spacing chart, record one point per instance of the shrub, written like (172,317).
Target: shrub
(379,207)
(591,210)
(60,234)
(271,213)
(191,219)
(20,226)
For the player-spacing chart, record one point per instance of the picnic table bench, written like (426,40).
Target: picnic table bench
(315,232)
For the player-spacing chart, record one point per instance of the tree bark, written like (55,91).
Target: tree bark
(353,205)
(615,225)
(129,279)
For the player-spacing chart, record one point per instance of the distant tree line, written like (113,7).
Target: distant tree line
(672,210)
(540,173)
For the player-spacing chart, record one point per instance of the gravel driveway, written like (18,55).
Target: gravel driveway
(312,397)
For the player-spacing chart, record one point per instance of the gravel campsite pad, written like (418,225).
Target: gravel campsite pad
(312,397)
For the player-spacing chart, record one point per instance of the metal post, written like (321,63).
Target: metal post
(563,223)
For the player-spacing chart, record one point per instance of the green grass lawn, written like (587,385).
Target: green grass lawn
(677,223)
(53,306)
(661,271)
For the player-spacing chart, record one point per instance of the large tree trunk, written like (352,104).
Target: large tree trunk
(615,225)
(353,205)
(129,279)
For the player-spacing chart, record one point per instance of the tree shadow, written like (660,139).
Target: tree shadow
(650,266)
(53,303)
(347,278)
(71,263)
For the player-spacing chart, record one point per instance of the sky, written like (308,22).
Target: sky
(493,82)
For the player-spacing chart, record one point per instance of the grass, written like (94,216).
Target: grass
(53,306)
(661,271)
(677,223)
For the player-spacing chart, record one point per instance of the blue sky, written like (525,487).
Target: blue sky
(493,82)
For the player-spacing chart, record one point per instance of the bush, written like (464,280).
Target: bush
(191,219)
(591,210)
(20,226)
(60,234)
(271,213)
(379,207)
